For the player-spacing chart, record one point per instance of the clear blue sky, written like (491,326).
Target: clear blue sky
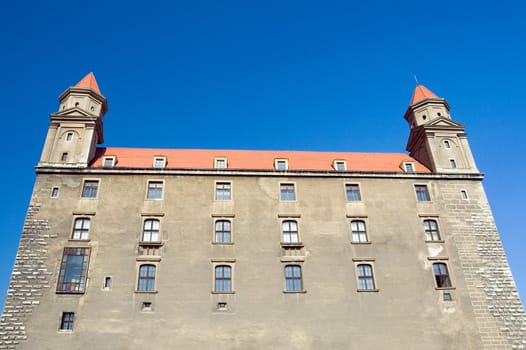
(295,75)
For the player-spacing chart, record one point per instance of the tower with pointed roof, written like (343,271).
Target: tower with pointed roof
(435,139)
(76,129)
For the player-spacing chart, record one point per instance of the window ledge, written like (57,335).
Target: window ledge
(303,291)
(151,243)
(148,258)
(65,331)
(70,292)
(291,244)
(359,243)
(146,291)
(368,290)
(445,288)
(79,240)
(435,241)
(223,243)
(231,292)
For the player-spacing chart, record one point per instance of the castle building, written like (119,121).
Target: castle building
(127,248)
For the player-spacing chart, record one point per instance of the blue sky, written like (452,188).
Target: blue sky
(294,75)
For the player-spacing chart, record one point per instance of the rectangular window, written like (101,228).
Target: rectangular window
(359,234)
(146,282)
(365,277)
(69,136)
(409,167)
(108,162)
(441,275)
(339,165)
(67,320)
(431,230)
(352,192)
(81,229)
(55,192)
(422,194)
(220,163)
(281,164)
(223,191)
(223,231)
(150,232)
(464,194)
(159,162)
(73,270)
(290,231)
(453,163)
(90,188)
(223,279)
(107,283)
(155,190)
(64,156)
(293,278)
(287,192)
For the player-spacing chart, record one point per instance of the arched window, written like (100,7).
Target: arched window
(146,282)
(431,229)
(290,231)
(365,277)
(81,228)
(293,278)
(223,278)
(359,234)
(441,275)
(150,231)
(223,231)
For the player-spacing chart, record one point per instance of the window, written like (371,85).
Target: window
(64,156)
(150,232)
(223,232)
(359,234)
(293,279)
(55,192)
(67,320)
(90,189)
(146,306)
(223,191)
(409,167)
(431,230)
(464,194)
(421,193)
(287,192)
(73,270)
(155,190)
(453,163)
(365,277)
(281,164)
(159,162)
(447,144)
(69,136)
(441,275)
(290,231)
(352,192)
(81,228)
(107,283)
(339,165)
(220,163)
(223,279)
(108,162)
(146,282)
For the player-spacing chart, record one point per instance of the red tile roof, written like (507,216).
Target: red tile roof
(89,82)
(421,93)
(256,160)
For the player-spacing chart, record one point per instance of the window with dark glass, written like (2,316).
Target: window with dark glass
(287,192)
(54,192)
(290,231)
(223,278)
(223,231)
(365,277)
(150,232)
(352,192)
(69,136)
(431,229)
(359,234)
(441,275)
(73,270)
(409,167)
(64,156)
(293,279)
(146,282)
(453,163)
(90,188)
(422,194)
(223,191)
(81,228)
(67,321)
(155,190)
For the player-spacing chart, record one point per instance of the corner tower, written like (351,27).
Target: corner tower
(436,140)
(76,129)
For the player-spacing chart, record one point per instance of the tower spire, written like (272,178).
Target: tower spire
(89,82)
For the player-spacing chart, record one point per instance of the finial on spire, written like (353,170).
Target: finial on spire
(416,80)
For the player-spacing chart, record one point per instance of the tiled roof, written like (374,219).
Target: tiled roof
(89,82)
(421,93)
(256,160)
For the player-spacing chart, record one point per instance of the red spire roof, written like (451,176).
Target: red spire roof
(421,93)
(89,82)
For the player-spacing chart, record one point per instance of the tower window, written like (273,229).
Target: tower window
(365,277)
(73,270)
(146,282)
(64,156)
(54,192)
(441,275)
(150,231)
(287,192)
(223,191)
(293,278)
(81,229)
(447,144)
(223,231)
(107,283)
(422,194)
(223,279)
(66,321)
(155,190)
(90,188)
(453,163)
(69,136)
(431,230)
(352,192)
(464,194)
(290,231)
(359,234)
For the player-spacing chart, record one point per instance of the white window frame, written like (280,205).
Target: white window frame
(159,159)
(111,158)
(338,162)
(218,161)
(278,161)
(410,164)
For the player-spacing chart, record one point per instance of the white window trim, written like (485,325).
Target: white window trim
(218,160)
(339,161)
(113,161)
(157,158)
(405,164)
(279,160)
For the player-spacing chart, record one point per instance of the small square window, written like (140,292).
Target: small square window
(409,167)
(108,162)
(90,188)
(64,156)
(55,192)
(287,192)
(447,297)
(155,190)
(281,164)
(159,162)
(146,306)
(422,194)
(223,191)
(67,320)
(220,163)
(221,306)
(339,165)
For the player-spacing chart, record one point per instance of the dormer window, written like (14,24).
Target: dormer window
(108,162)
(281,164)
(409,167)
(339,165)
(159,162)
(220,163)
